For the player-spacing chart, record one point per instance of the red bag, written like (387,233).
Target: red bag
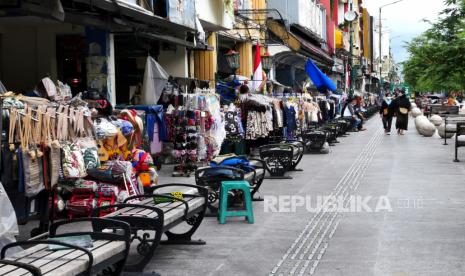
(81,205)
(104,201)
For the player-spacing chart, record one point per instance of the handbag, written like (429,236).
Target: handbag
(72,161)
(403,110)
(54,154)
(32,168)
(89,152)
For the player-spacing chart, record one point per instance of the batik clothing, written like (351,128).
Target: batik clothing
(257,125)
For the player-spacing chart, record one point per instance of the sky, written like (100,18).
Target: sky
(404,20)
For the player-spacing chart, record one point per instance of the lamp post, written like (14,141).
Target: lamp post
(350,17)
(232,57)
(379,42)
(267,63)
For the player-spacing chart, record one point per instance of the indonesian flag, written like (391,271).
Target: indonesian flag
(257,70)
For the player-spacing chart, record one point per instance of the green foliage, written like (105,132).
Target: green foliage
(437,59)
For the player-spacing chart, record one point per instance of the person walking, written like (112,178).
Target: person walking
(402,106)
(386,113)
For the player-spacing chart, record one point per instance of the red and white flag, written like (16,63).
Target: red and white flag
(257,70)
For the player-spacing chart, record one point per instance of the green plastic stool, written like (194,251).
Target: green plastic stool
(223,212)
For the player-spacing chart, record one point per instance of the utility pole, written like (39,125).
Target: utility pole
(380,43)
(380,53)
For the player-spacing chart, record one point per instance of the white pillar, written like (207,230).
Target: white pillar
(111,70)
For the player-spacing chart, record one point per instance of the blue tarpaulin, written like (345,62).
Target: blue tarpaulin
(319,79)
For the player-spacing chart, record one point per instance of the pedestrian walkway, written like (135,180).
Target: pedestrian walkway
(422,234)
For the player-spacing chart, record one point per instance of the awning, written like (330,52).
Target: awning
(136,13)
(299,44)
(297,60)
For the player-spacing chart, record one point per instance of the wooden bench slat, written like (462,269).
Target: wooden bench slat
(172,212)
(128,209)
(133,211)
(72,255)
(17,271)
(176,213)
(44,257)
(79,260)
(38,251)
(29,251)
(68,261)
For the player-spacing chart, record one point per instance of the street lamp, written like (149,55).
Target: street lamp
(232,57)
(350,17)
(267,63)
(380,37)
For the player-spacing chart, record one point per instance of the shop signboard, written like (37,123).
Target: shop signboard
(181,12)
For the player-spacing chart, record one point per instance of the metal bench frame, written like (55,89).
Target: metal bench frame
(156,224)
(298,153)
(30,268)
(315,140)
(446,116)
(211,178)
(278,159)
(460,131)
(332,130)
(257,180)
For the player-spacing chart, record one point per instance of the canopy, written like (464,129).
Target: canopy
(319,79)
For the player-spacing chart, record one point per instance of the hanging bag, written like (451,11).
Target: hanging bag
(72,161)
(33,179)
(9,171)
(55,147)
(89,151)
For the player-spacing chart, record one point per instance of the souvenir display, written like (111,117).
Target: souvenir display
(82,161)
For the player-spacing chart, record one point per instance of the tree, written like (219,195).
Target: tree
(436,60)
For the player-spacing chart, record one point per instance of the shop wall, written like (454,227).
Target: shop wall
(205,62)
(174,60)
(331,17)
(28,52)
(215,12)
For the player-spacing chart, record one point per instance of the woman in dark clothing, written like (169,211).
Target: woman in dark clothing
(402,107)
(387,113)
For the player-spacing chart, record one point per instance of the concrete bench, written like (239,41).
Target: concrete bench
(108,253)
(156,213)
(450,120)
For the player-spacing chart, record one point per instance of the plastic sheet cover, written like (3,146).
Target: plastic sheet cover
(155,79)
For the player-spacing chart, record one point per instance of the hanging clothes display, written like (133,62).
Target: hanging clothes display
(196,127)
